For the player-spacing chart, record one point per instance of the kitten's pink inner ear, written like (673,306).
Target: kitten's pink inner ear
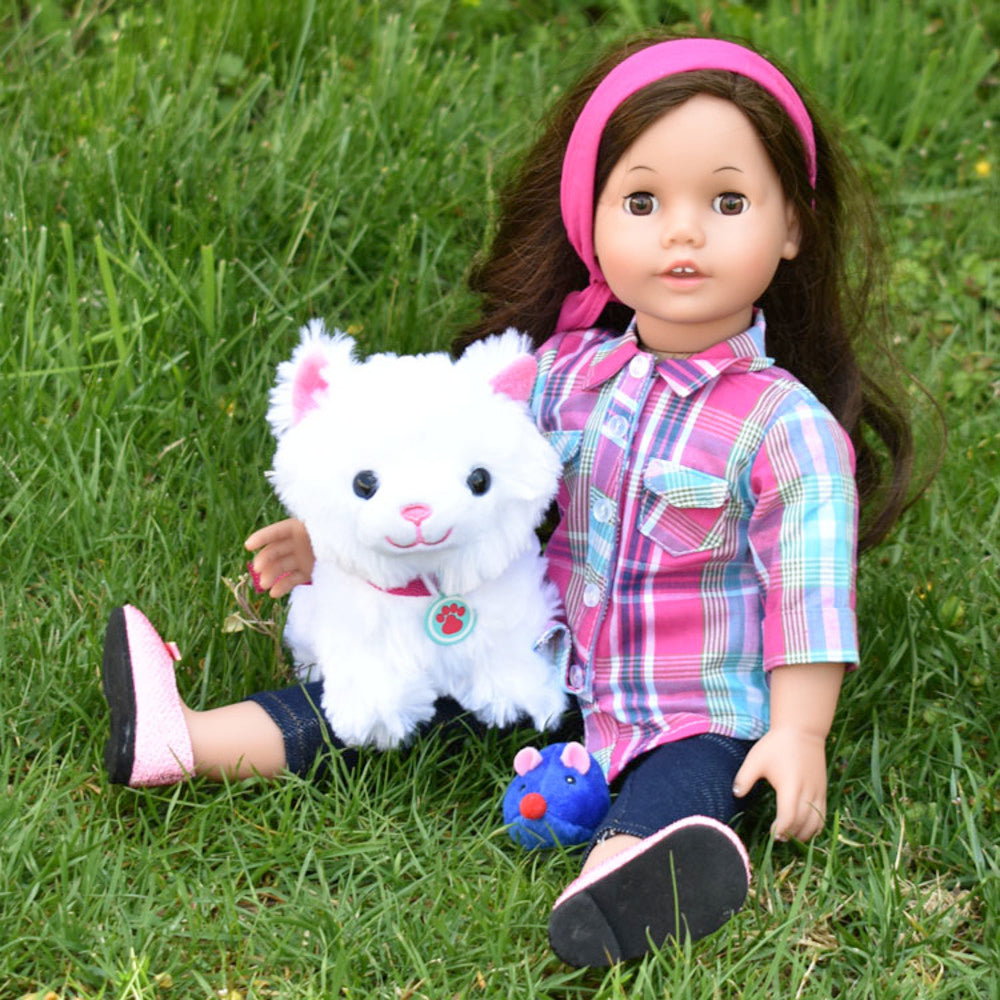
(308,384)
(576,757)
(517,379)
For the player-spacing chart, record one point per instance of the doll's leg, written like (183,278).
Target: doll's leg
(235,741)
(692,777)
(664,863)
(157,740)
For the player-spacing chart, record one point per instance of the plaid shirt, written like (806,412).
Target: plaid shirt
(708,521)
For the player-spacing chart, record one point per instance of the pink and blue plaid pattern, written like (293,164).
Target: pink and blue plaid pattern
(707,534)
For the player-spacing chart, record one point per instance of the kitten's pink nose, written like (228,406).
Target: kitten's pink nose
(416,512)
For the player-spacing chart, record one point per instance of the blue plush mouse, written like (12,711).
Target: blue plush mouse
(558,797)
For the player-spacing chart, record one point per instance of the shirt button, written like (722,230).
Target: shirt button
(576,677)
(591,595)
(617,427)
(604,511)
(639,366)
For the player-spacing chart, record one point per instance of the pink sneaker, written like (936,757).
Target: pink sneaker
(685,881)
(149,742)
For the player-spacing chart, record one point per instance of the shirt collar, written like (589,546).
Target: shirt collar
(744,352)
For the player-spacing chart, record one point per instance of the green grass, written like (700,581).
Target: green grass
(182,185)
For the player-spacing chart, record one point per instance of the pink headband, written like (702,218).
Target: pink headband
(581,309)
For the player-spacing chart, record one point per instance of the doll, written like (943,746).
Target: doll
(695,322)
(681,245)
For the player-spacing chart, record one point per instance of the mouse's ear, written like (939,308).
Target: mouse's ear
(306,377)
(526,760)
(574,755)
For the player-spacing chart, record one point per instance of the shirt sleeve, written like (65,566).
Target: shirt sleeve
(555,645)
(803,537)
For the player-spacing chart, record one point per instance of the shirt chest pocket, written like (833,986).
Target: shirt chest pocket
(683,510)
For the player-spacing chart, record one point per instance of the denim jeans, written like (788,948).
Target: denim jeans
(691,777)
(309,739)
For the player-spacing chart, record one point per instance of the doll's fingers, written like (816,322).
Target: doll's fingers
(780,828)
(802,823)
(276,559)
(262,575)
(271,534)
(787,816)
(285,584)
(260,571)
(288,581)
(258,539)
(814,820)
(746,777)
(291,563)
(258,583)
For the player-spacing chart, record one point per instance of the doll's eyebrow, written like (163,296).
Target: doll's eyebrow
(719,170)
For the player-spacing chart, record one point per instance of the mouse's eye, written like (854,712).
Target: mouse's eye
(479,481)
(570,780)
(365,484)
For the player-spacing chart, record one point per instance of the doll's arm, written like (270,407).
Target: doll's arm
(792,753)
(285,559)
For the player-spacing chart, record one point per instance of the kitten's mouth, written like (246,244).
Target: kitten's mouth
(419,540)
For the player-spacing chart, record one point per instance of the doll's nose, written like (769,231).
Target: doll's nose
(416,512)
(533,806)
(681,226)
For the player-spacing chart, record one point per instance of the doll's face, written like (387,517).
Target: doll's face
(692,224)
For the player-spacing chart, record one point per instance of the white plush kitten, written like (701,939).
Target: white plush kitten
(421,481)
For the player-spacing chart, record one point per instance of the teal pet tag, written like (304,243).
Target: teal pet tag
(450,620)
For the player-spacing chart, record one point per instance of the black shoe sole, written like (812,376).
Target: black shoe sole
(119,692)
(685,886)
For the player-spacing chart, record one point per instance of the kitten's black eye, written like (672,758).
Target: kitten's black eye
(365,484)
(479,482)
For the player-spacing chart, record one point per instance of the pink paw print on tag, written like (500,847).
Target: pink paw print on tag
(450,619)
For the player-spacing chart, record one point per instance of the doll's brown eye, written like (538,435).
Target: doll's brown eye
(365,484)
(641,203)
(730,203)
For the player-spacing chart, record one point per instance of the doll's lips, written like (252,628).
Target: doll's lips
(682,271)
(419,540)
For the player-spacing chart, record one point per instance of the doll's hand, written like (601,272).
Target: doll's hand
(792,754)
(285,559)
(794,763)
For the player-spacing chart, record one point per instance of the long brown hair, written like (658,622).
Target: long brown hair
(821,307)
